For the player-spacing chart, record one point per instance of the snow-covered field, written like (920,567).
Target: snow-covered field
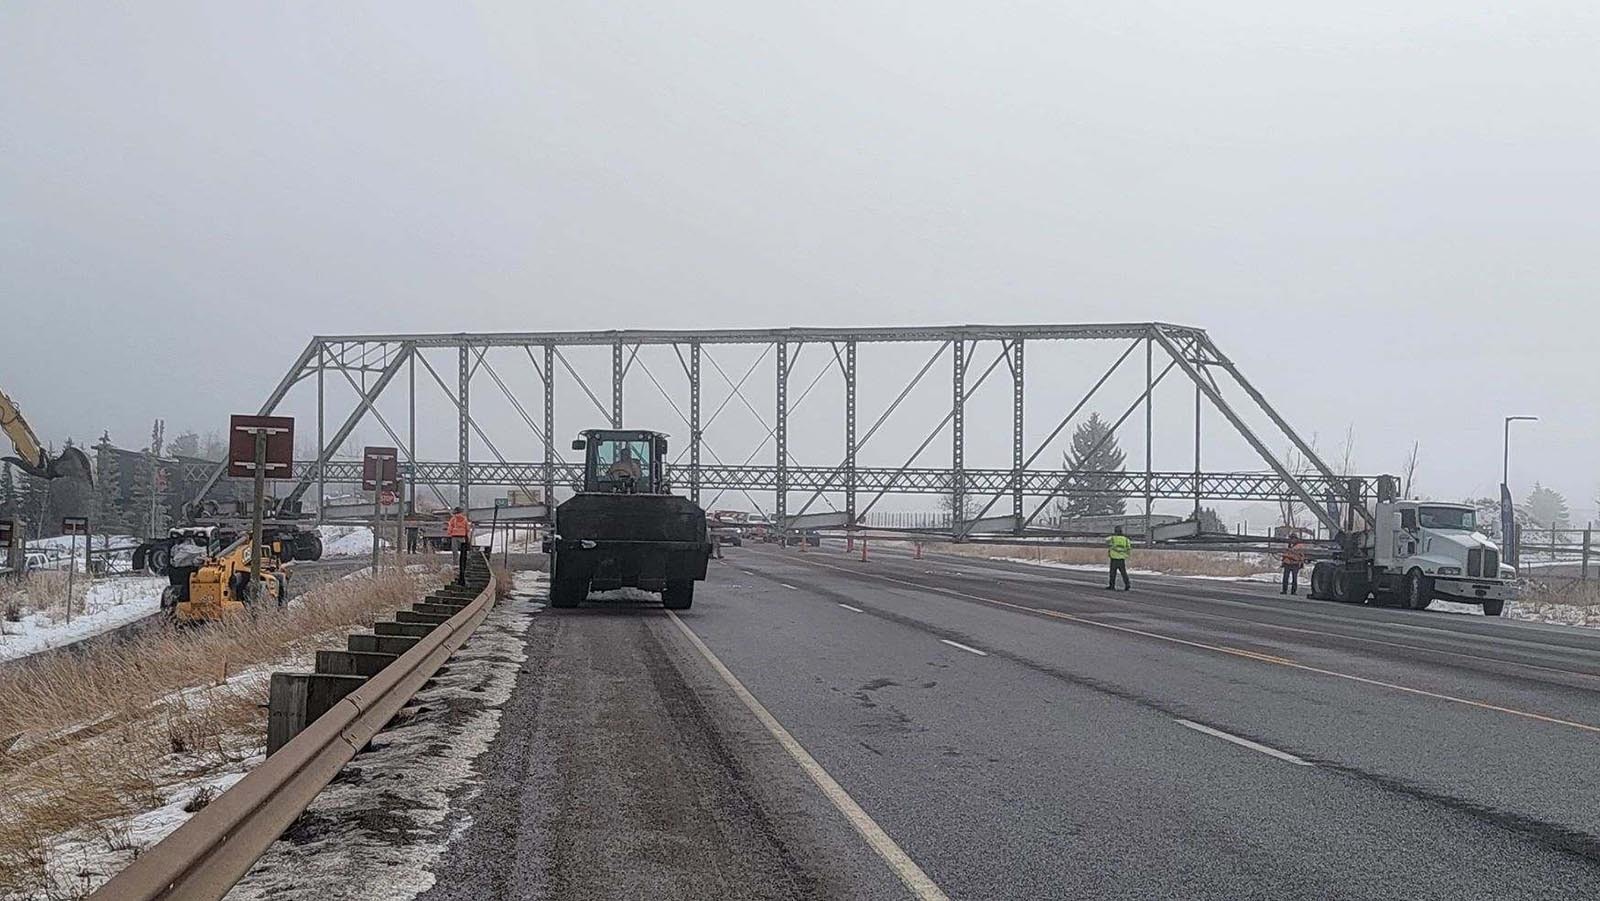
(109,604)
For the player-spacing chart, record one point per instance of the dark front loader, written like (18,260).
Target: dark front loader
(608,541)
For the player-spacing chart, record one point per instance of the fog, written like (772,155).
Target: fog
(1386,216)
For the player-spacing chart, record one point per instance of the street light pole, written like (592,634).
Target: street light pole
(1505,464)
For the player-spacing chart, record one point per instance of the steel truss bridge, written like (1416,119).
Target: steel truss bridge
(996,501)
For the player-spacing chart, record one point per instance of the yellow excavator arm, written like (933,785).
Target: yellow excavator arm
(30,454)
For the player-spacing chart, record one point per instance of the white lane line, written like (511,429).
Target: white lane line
(970,650)
(1245,743)
(788,586)
(898,860)
(852,609)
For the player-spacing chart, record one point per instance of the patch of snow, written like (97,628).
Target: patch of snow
(345,844)
(109,604)
(346,541)
(64,543)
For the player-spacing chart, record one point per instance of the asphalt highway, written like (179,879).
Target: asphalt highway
(992,730)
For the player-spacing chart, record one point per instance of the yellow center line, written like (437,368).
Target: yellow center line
(1222,649)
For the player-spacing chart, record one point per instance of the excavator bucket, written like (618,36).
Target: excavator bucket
(73,463)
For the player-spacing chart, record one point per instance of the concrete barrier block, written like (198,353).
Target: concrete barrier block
(353,663)
(415,630)
(445,610)
(381,644)
(295,700)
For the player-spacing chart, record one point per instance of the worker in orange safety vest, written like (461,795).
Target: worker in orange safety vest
(1294,557)
(459,531)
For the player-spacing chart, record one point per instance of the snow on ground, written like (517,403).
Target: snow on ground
(379,829)
(346,541)
(109,604)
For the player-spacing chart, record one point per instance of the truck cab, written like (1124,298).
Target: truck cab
(1415,552)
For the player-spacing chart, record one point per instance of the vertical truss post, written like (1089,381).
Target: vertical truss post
(694,421)
(850,432)
(957,431)
(781,501)
(1200,366)
(1017,462)
(463,422)
(616,385)
(1149,420)
(550,429)
(322,483)
(411,434)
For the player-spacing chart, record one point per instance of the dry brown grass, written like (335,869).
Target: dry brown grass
(40,591)
(1187,563)
(88,738)
(1568,601)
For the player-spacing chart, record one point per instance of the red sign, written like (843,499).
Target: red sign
(242,432)
(74,525)
(8,528)
(380,468)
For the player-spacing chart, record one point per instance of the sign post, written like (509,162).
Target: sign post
(380,474)
(73,526)
(259,447)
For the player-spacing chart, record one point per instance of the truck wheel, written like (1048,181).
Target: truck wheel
(1418,590)
(1493,608)
(1322,581)
(678,595)
(1349,587)
(568,592)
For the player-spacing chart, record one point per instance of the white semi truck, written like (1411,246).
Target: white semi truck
(1413,552)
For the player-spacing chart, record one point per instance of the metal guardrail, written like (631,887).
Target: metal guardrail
(210,852)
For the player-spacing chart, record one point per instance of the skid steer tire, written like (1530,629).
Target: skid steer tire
(678,595)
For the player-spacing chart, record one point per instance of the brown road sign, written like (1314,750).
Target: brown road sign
(74,525)
(242,431)
(380,468)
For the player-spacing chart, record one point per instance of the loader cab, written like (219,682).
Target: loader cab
(623,461)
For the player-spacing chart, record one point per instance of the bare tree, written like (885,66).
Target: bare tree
(1408,482)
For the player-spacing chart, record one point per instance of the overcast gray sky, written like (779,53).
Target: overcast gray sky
(1385,212)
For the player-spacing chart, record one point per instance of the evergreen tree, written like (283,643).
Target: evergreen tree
(35,507)
(1093,456)
(148,503)
(186,444)
(109,517)
(9,498)
(1211,521)
(1546,507)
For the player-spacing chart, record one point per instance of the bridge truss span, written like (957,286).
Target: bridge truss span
(1019,496)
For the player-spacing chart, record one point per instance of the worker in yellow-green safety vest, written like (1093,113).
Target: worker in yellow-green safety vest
(1118,547)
